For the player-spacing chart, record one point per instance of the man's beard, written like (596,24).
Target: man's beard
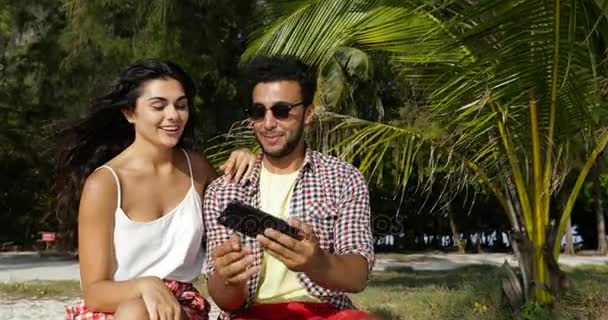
(289,147)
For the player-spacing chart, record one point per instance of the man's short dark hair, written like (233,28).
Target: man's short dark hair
(279,68)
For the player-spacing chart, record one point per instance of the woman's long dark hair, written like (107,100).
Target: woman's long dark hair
(104,132)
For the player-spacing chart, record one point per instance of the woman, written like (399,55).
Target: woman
(140,224)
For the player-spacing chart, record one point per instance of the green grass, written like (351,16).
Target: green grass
(475,293)
(587,294)
(469,293)
(40,289)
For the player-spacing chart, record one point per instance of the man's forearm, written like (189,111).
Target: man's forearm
(227,297)
(346,273)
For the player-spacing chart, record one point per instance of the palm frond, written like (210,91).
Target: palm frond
(239,136)
(479,67)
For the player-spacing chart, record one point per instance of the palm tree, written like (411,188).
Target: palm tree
(602,244)
(511,85)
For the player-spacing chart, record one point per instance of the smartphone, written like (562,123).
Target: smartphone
(252,221)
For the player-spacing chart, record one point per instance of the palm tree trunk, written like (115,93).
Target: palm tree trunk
(602,247)
(478,236)
(569,249)
(569,239)
(437,241)
(455,233)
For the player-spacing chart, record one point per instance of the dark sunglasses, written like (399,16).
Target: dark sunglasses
(280,110)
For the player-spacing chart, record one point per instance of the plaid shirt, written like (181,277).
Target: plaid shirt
(330,195)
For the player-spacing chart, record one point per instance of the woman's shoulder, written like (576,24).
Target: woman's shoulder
(107,176)
(100,193)
(101,179)
(122,165)
(197,158)
(202,170)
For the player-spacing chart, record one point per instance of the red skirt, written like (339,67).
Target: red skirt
(193,304)
(301,311)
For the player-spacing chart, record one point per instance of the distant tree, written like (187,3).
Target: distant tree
(58,54)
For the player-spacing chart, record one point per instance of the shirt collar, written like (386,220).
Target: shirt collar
(252,180)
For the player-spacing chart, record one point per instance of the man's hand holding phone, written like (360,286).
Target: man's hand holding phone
(303,255)
(293,243)
(234,262)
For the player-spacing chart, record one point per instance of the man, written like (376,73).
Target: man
(275,276)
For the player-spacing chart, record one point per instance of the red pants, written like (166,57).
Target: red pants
(301,311)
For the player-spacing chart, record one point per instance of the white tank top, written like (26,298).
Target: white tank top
(169,247)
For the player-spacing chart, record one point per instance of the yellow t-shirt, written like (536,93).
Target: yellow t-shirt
(277,283)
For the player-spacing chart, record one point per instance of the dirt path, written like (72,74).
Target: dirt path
(26,266)
(443,262)
(32,310)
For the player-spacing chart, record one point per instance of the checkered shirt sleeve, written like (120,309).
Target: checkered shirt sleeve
(216,233)
(352,231)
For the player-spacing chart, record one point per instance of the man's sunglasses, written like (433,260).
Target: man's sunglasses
(280,110)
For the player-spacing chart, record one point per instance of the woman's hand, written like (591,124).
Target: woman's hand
(239,165)
(160,303)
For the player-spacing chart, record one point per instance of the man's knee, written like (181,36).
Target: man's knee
(132,310)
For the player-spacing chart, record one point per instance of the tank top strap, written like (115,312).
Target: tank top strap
(189,167)
(117,183)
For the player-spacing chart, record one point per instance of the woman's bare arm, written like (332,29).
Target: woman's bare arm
(95,232)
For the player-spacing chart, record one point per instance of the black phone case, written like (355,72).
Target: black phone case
(252,221)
